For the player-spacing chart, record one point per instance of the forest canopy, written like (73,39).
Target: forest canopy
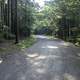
(62,17)
(21,18)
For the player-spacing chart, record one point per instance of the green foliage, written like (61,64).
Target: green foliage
(26,43)
(63,17)
(25,17)
(10,22)
(69,21)
(42,21)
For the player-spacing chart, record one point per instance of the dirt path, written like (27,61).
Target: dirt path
(45,60)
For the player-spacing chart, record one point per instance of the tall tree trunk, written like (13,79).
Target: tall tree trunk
(1,15)
(12,16)
(14,27)
(15,24)
(8,13)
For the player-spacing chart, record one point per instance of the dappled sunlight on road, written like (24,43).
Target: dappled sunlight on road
(68,76)
(40,63)
(41,57)
(41,71)
(41,66)
(32,55)
(66,44)
(1,61)
(50,47)
(41,37)
(36,56)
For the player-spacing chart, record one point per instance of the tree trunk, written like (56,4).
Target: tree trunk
(12,16)
(8,13)
(15,24)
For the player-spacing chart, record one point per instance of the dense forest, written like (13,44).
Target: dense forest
(21,18)
(60,18)
(15,19)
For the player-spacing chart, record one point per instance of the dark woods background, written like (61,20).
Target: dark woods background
(16,18)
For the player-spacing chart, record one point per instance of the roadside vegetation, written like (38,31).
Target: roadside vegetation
(26,43)
(9,48)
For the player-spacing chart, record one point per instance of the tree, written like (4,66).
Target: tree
(11,21)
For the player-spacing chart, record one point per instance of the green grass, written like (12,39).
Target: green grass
(26,43)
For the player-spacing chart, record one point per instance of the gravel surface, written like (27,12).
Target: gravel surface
(45,60)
